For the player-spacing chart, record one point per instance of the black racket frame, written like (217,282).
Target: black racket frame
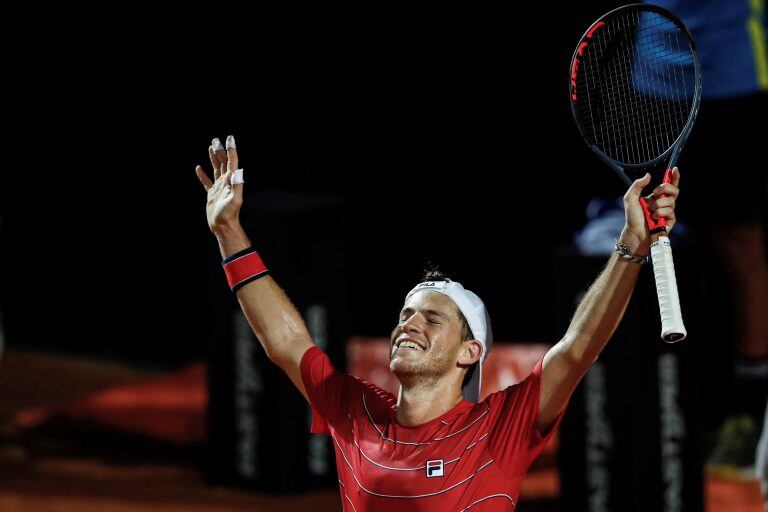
(631,172)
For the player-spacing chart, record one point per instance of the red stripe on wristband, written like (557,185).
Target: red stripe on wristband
(241,269)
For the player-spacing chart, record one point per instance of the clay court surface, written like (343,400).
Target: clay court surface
(81,435)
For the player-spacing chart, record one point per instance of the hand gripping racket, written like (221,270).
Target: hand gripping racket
(635,88)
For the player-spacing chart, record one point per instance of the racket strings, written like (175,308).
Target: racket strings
(636,121)
(631,117)
(637,112)
(635,86)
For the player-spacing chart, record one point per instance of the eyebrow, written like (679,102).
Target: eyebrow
(427,311)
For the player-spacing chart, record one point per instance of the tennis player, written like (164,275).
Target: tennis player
(435,446)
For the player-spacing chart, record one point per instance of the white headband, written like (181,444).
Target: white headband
(477,317)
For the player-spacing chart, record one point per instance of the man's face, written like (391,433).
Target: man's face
(427,338)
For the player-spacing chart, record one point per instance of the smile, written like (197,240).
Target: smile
(410,345)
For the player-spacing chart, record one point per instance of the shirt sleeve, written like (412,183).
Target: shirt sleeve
(514,439)
(327,389)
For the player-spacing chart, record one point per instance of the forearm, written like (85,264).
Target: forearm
(270,313)
(604,304)
(232,239)
(601,310)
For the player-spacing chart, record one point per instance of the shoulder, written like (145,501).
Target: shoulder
(380,403)
(518,394)
(316,367)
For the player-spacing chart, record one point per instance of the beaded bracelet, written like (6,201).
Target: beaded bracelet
(626,254)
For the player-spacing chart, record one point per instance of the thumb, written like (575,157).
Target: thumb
(633,194)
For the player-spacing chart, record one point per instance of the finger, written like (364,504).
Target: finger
(667,213)
(238,187)
(221,154)
(666,189)
(664,202)
(205,180)
(230,187)
(237,183)
(676,177)
(633,194)
(214,162)
(231,153)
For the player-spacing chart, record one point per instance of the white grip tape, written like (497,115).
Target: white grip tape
(672,328)
(237,177)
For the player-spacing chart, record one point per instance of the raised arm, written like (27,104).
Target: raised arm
(273,318)
(604,304)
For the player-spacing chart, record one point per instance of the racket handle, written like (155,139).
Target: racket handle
(672,328)
(656,226)
(662,222)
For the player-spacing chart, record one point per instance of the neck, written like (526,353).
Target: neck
(420,402)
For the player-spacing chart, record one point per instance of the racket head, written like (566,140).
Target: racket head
(635,88)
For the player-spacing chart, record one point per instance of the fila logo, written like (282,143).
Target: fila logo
(434,468)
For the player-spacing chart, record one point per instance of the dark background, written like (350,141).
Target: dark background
(447,135)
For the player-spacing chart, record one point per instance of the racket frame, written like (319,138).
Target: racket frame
(671,154)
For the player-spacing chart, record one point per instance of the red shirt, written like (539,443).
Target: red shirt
(473,457)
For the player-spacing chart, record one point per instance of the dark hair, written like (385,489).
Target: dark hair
(432,273)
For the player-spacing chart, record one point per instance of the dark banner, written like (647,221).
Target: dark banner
(630,440)
(258,422)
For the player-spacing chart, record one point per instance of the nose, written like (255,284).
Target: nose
(412,324)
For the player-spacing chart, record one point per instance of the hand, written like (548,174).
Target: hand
(636,233)
(224,199)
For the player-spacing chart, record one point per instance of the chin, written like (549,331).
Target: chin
(400,366)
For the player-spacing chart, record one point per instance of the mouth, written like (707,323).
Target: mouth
(406,343)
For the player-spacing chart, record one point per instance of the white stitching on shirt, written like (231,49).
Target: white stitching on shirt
(418,444)
(463,429)
(379,430)
(411,469)
(491,496)
(349,500)
(352,472)
(473,444)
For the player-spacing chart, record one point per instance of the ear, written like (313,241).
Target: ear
(470,352)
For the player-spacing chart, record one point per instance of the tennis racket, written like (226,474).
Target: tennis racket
(635,88)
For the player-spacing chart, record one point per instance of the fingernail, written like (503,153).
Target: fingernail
(231,142)
(217,145)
